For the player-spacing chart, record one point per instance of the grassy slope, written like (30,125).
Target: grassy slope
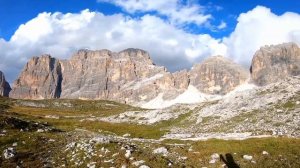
(33,147)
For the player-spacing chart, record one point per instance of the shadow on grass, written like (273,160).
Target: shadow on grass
(229,161)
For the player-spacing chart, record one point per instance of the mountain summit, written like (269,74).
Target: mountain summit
(276,62)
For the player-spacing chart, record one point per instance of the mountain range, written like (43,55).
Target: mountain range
(131,77)
(188,118)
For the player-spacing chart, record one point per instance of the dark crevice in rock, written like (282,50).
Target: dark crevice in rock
(7,89)
(58,89)
(4,86)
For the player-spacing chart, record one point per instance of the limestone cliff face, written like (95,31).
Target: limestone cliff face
(128,76)
(40,79)
(4,86)
(131,77)
(217,75)
(276,62)
(181,79)
(84,75)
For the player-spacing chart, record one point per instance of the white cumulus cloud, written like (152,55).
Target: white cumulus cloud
(259,27)
(62,34)
(175,10)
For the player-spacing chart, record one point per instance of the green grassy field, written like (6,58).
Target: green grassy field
(20,122)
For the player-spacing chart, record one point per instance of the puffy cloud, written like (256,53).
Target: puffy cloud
(62,34)
(175,10)
(260,27)
(222,25)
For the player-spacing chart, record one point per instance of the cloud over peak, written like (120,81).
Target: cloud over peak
(259,27)
(61,34)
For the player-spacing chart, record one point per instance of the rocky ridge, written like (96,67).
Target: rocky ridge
(131,77)
(273,63)
(4,85)
(128,76)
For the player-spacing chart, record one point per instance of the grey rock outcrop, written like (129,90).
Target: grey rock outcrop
(276,62)
(181,79)
(4,86)
(40,79)
(217,75)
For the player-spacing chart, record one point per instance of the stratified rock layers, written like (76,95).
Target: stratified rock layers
(273,63)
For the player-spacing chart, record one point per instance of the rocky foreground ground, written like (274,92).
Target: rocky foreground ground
(255,128)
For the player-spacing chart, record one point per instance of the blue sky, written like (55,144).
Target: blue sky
(15,12)
(176,33)
(13,15)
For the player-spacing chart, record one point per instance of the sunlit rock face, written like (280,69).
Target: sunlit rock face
(276,62)
(126,76)
(217,75)
(40,79)
(130,76)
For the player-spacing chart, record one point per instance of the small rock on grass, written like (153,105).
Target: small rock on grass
(161,150)
(9,153)
(247,157)
(137,163)
(128,153)
(214,158)
(144,166)
(126,135)
(265,153)
(213,161)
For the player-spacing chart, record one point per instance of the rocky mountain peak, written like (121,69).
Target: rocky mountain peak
(136,55)
(276,62)
(130,54)
(134,51)
(4,85)
(40,79)
(269,48)
(217,75)
(91,54)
